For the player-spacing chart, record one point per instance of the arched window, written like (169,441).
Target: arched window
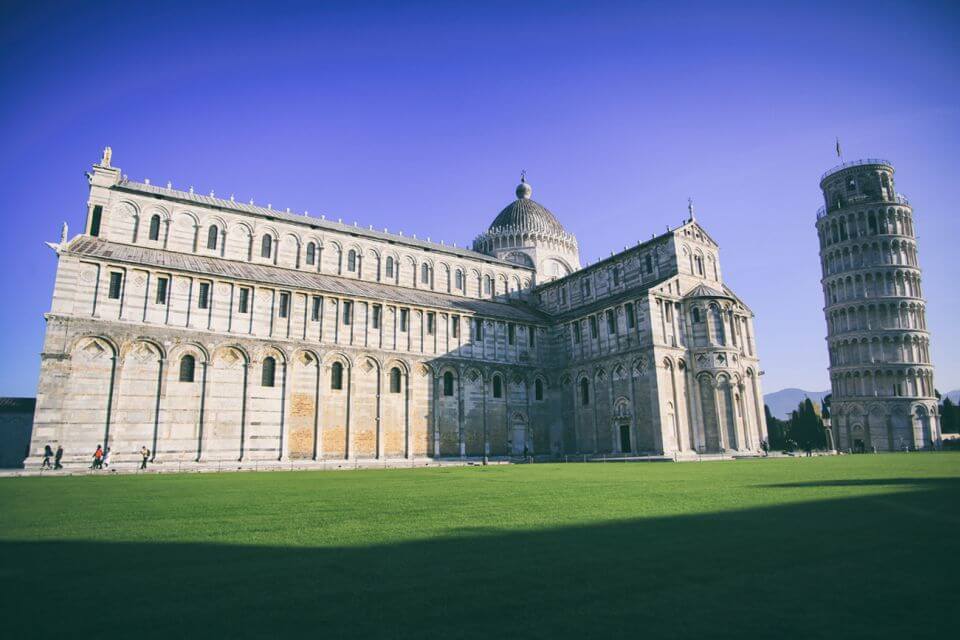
(538,389)
(696,315)
(425,273)
(459,280)
(718,325)
(395,380)
(266,246)
(389,267)
(448,384)
(584,392)
(352,261)
(155,227)
(487,285)
(336,376)
(269,373)
(497,387)
(212,234)
(187,366)
(311,253)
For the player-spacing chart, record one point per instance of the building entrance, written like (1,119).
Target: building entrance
(625,439)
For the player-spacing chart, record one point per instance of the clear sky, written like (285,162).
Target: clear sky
(419,117)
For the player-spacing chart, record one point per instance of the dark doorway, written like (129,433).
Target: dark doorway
(625,438)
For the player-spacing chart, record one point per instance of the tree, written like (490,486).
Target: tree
(776,431)
(949,416)
(806,427)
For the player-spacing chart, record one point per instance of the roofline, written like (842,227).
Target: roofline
(865,162)
(611,301)
(212,202)
(612,258)
(537,315)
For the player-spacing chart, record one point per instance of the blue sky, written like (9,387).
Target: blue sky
(419,117)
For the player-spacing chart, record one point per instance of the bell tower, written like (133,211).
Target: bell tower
(879,346)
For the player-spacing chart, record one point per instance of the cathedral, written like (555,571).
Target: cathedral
(210,330)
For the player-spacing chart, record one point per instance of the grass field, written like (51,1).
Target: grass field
(857,546)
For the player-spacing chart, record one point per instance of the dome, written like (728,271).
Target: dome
(526,214)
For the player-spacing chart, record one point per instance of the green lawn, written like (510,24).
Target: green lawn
(857,546)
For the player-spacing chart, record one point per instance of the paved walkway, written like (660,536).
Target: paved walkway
(226,466)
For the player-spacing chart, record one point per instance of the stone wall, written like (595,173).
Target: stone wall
(123,385)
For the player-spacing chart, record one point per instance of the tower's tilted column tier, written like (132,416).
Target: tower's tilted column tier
(880,368)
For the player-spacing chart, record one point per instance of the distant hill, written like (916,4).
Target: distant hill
(782,402)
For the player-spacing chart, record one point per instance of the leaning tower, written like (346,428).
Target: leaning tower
(880,369)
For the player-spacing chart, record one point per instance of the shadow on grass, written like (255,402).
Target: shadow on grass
(865,482)
(833,568)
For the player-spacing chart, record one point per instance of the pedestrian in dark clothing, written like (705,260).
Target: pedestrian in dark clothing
(47,454)
(145,453)
(57,458)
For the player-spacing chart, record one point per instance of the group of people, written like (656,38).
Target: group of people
(101,457)
(57,457)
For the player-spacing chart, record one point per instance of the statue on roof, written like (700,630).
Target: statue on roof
(63,233)
(105,159)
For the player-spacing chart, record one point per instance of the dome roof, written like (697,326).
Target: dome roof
(526,214)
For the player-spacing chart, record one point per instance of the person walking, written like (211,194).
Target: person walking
(47,454)
(106,458)
(145,453)
(97,458)
(57,458)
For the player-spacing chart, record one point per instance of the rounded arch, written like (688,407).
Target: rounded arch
(497,384)
(519,257)
(243,351)
(584,390)
(449,377)
(129,207)
(241,227)
(518,417)
(305,357)
(540,386)
(292,237)
(214,219)
(104,342)
(337,356)
(129,346)
(556,267)
(272,350)
(189,347)
(391,362)
(622,407)
(188,215)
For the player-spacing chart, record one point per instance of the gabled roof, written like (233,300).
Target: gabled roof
(86,246)
(704,291)
(694,223)
(308,221)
